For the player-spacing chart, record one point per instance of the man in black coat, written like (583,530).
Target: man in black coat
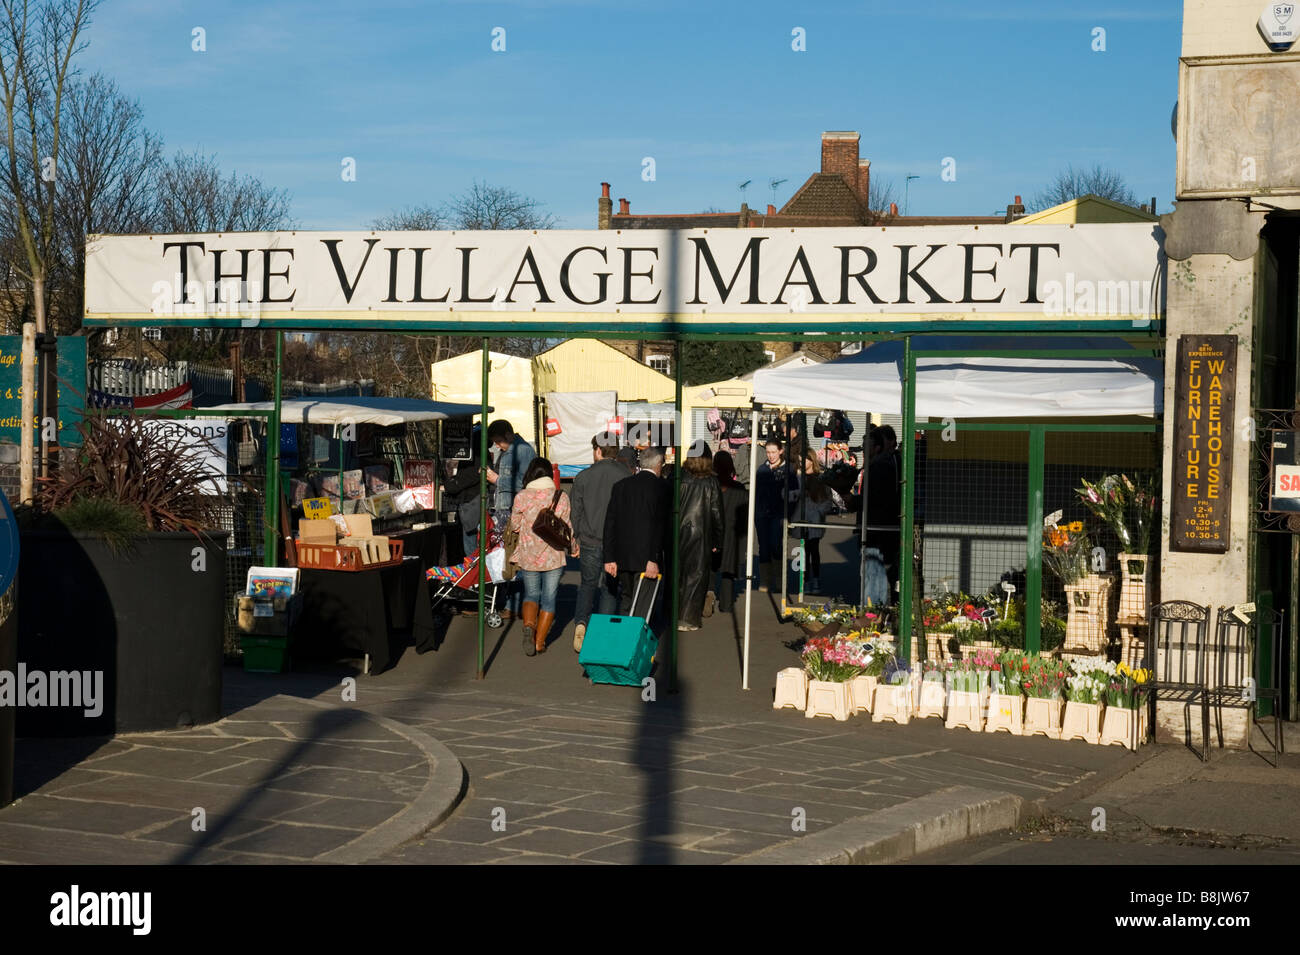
(636,527)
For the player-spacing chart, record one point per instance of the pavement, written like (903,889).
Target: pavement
(424,764)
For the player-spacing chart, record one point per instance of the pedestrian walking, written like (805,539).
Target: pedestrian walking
(700,521)
(636,524)
(513,457)
(590,497)
(735,521)
(541,564)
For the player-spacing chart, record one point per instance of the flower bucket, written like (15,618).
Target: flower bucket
(1124,727)
(1135,571)
(1082,721)
(934,699)
(828,699)
(1043,715)
(791,688)
(861,691)
(893,703)
(1006,713)
(965,709)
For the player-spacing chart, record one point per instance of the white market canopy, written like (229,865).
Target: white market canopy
(384,412)
(1027,387)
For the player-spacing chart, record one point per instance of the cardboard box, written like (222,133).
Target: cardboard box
(317,531)
(359,525)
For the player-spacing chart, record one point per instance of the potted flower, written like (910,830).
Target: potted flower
(121,575)
(1006,703)
(968,689)
(831,663)
(1043,684)
(1125,719)
(934,695)
(894,695)
(1088,679)
(878,652)
(1130,509)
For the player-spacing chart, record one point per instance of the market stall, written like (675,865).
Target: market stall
(1016,421)
(362,480)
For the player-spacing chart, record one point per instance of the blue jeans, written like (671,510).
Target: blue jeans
(597,588)
(540,587)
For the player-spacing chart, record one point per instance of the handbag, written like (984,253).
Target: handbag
(550,528)
(510,540)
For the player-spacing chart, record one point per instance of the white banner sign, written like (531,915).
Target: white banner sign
(705,278)
(1286,480)
(206,442)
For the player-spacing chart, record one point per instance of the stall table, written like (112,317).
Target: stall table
(365,610)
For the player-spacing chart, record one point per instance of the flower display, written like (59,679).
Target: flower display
(1127,687)
(840,659)
(1045,678)
(1129,508)
(1065,551)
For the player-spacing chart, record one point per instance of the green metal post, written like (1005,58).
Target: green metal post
(482,508)
(1034,564)
(678,460)
(273,460)
(906,544)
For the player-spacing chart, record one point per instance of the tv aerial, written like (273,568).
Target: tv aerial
(743,186)
(772,184)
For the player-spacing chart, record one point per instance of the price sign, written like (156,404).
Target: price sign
(316,508)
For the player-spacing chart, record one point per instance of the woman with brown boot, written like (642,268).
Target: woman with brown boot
(540,564)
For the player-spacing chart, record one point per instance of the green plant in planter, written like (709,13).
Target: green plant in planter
(128,477)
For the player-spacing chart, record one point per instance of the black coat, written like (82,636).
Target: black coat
(701,531)
(735,524)
(636,522)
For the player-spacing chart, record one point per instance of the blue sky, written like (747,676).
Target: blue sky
(1011,90)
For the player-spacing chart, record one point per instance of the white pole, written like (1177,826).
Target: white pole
(749,537)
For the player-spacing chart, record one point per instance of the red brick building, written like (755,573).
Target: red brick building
(838,195)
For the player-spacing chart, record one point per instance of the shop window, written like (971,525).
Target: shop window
(153,334)
(771,355)
(660,363)
(851,348)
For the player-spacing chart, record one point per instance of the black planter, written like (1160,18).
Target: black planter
(145,618)
(8,661)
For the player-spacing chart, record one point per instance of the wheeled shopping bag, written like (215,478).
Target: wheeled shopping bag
(618,649)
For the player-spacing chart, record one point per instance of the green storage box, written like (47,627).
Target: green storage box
(265,654)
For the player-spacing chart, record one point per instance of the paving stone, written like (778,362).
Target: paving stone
(219,830)
(164,763)
(667,831)
(605,802)
(299,842)
(203,744)
(328,754)
(582,820)
(63,813)
(576,783)
(349,782)
(555,841)
(651,853)
(441,852)
(538,858)
(350,813)
(41,845)
(184,796)
(76,776)
(523,788)
(735,842)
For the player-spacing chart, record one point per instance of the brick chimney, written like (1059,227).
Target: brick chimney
(1016,210)
(840,158)
(893,210)
(864,183)
(771,209)
(604,207)
(623,208)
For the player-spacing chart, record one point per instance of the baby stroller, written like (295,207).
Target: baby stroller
(457,586)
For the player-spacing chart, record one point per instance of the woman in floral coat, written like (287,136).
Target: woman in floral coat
(540,564)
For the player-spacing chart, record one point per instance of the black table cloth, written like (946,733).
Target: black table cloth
(438,545)
(371,611)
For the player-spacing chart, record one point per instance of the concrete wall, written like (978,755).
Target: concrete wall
(1222,28)
(1209,294)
